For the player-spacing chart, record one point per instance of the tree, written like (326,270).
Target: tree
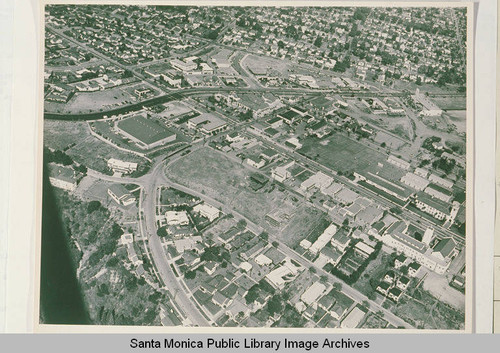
(275,244)
(264,236)
(93,206)
(112,262)
(242,224)
(161,232)
(318,41)
(190,275)
(274,305)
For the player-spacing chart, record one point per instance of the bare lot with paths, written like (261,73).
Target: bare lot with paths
(214,174)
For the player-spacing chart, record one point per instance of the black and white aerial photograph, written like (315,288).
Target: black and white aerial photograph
(255,166)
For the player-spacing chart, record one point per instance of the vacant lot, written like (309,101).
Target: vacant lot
(342,154)
(427,312)
(215,175)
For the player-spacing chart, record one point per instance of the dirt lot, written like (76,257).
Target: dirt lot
(214,174)
(438,286)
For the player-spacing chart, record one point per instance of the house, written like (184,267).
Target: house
(337,311)
(234,137)
(172,78)
(319,180)
(398,162)
(327,301)
(121,195)
(395,294)
(403,282)
(263,260)
(313,293)
(293,142)
(207,123)
(439,192)
(255,162)
(207,211)
(341,241)
(400,261)
(183,65)
(329,255)
(220,299)
(435,207)
(210,267)
(415,181)
(246,266)
(383,288)
(445,249)
(177,218)
(389,277)
(275,122)
(269,155)
(414,269)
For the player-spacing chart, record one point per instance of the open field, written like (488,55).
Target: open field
(342,154)
(81,146)
(59,134)
(427,312)
(215,175)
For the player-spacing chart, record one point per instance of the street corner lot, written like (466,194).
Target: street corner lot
(439,287)
(342,154)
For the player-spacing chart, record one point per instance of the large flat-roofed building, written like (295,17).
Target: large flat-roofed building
(319,180)
(184,65)
(208,124)
(398,162)
(439,192)
(389,187)
(144,132)
(281,173)
(415,181)
(121,166)
(433,206)
(63,177)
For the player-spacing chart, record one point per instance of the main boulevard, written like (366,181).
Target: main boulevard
(150,184)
